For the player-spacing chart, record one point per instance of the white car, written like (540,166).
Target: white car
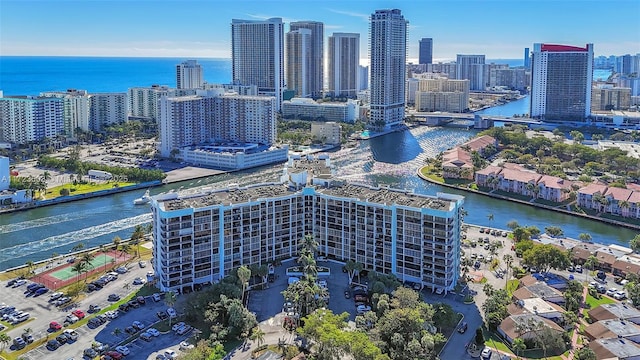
(172,312)
(620,295)
(70,334)
(153,331)
(142,263)
(139,281)
(112,314)
(55,296)
(361,309)
(156,297)
(170,354)
(185,345)
(611,291)
(593,284)
(486,353)
(123,350)
(177,326)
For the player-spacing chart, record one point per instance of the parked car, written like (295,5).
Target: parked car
(486,353)
(123,307)
(55,296)
(170,354)
(112,314)
(579,268)
(162,315)
(90,353)
(361,309)
(183,330)
(156,297)
(78,313)
(130,330)
(601,289)
(153,332)
(123,350)
(114,355)
(121,270)
(620,295)
(40,291)
(19,283)
(28,338)
(141,300)
(53,345)
(138,325)
(71,334)
(142,263)
(463,328)
(133,304)
(19,343)
(62,339)
(139,281)
(146,337)
(172,312)
(175,327)
(113,297)
(611,291)
(93,308)
(55,326)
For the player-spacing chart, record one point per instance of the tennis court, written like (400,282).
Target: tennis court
(68,272)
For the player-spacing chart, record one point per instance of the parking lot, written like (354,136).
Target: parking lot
(42,313)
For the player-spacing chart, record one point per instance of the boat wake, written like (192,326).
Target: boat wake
(45,221)
(72,237)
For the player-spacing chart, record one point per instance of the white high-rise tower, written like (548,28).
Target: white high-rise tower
(344,61)
(316,54)
(189,75)
(257,55)
(388,47)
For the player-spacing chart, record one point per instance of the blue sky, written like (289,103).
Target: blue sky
(189,28)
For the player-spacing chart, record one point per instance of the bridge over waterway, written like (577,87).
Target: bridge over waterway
(466,119)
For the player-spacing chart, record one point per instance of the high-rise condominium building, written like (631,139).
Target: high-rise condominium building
(316,55)
(561,77)
(25,119)
(471,67)
(107,109)
(425,55)
(363,77)
(388,47)
(298,65)
(527,58)
(201,238)
(189,75)
(344,63)
(442,95)
(257,55)
(143,101)
(76,109)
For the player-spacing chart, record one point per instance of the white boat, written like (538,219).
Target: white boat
(145,199)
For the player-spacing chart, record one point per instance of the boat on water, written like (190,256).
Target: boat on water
(144,199)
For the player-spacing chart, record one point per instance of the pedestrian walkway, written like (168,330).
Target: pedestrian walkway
(576,331)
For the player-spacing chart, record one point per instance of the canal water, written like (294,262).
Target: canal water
(390,160)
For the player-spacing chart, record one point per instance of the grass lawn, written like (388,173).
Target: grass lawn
(493,341)
(512,195)
(594,303)
(54,192)
(432,173)
(553,203)
(620,218)
(512,285)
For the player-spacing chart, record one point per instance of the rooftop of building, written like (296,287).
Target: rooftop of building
(612,328)
(614,348)
(540,307)
(317,167)
(614,311)
(235,195)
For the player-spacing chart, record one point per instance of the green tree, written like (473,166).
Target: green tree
(244,274)
(495,307)
(117,332)
(585,353)
(116,242)
(170,300)
(352,268)
(257,335)
(513,224)
(553,231)
(508,260)
(635,243)
(4,340)
(584,237)
(479,336)
(518,346)
(79,267)
(87,259)
(546,257)
(136,237)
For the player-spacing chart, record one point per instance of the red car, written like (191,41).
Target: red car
(55,326)
(78,313)
(114,355)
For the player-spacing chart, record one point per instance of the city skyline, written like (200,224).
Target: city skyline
(498,29)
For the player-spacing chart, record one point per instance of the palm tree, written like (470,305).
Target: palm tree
(508,260)
(258,335)
(170,300)
(117,332)
(518,346)
(29,265)
(136,237)
(244,274)
(590,264)
(125,248)
(4,340)
(584,237)
(310,243)
(262,271)
(86,258)
(79,267)
(624,206)
(116,242)
(77,247)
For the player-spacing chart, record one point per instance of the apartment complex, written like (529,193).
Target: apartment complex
(189,75)
(605,97)
(107,109)
(612,200)
(76,109)
(257,55)
(201,238)
(25,119)
(308,109)
(327,132)
(442,95)
(425,51)
(299,61)
(315,74)
(471,67)
(388,47)
(344,63)
(561,77)
(143,101)
(221,130)
(513,79)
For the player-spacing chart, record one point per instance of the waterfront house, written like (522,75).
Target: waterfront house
(540,290)
(518,181)
(613,328)
(634,204)
(616,200)
(553,188)
(582,252)
(608,255)
(591,196)
(615,348)
(457,164)
(524,326)
(615,311)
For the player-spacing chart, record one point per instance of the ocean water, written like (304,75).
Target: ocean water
(30,75)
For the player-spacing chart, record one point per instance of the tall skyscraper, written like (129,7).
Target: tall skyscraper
(471,67)
(527,59)
(257,55)
(388,47)
(561,78)
(344,62)
(298,64)
(189,75)
(426,51)
(316,53)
